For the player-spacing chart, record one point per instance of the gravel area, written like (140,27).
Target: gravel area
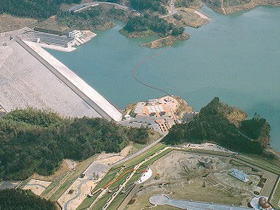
(25,82)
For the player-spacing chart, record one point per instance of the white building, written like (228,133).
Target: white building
(239,175)
(75,34)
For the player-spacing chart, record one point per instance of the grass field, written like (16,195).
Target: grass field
(54,184)
(260,162)
(143,156)
(10,23)
(275,197)
(114,172)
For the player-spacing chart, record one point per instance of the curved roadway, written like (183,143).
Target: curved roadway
(95,3)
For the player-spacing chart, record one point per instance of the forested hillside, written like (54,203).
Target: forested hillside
(33,8)
(152,23)
(154,5)
(212,125)
(35,141)
(11,199)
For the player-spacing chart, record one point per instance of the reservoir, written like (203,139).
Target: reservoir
(234,57)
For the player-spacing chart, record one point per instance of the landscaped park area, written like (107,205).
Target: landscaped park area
(206,174)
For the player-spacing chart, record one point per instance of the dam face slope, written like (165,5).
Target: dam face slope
(25,82)
(73,81)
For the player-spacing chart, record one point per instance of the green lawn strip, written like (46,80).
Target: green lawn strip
(146,164)
(133,179)
(53,184)
(110,176)
(88,201)
(275,197)
(118,200)
(144,155)
(259,162)
(75,174)
(120,181)
(102,201)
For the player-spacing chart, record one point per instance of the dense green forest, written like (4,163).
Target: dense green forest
(96,18)
(153,23)
(83,20)
(33,8)
(183,3)
(256,128)
(11,199)
(36,141)
(212,125)
(154,5)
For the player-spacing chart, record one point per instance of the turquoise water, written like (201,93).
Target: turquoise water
(235,57)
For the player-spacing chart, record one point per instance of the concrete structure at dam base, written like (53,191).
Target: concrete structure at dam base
(31,77)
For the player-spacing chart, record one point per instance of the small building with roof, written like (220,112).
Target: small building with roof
(240,175)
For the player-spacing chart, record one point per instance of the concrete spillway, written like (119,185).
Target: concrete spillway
(33,77)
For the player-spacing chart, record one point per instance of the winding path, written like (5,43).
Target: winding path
(78,194)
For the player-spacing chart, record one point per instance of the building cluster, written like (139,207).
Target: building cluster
(73,38)
(158,114)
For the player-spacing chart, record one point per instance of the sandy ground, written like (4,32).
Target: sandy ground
(25,82)
(235,183)
(36,186)
(85,190)
(171,166)
(207,146)
(201,15)
(182,175)
(189,17)
(100,167)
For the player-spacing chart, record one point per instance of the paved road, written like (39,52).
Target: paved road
(191,205)
(94,168)
(78,194)
(80,6)
(121,187)
(139,152)
(76,90)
